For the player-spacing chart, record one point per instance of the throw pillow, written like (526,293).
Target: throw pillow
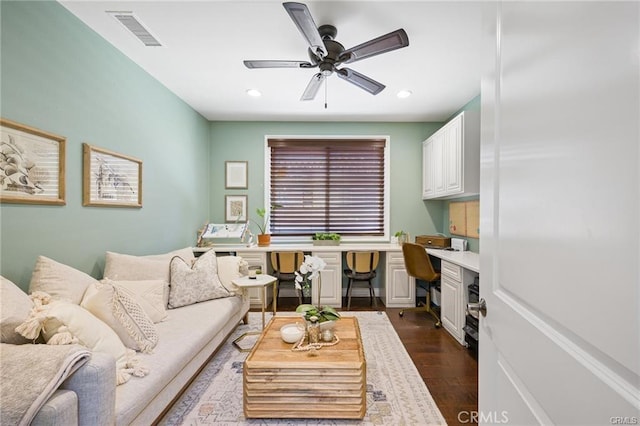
(154,267)
(63,323)
(149,294)
(230,268)
(123,314)
(126,267)
(15,306)
(197,283)
(59,281)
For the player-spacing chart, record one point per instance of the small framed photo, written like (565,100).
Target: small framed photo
(110,179)
(235,208)
(236,174)
(31,165)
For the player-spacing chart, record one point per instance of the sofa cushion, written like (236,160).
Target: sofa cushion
(120,267)
(183,337)
(123,314)
(230,268)
(195,283)
(125,267)
(149,294)
(62,323)
(59,281)
(15,306)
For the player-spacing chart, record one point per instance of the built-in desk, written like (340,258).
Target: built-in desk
(397,289)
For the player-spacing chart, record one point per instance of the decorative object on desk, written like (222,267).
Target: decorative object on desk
(235,207)
(31,165)
(110,179)
(236,174)
(401,237)
(326,239)
(217,233)
(264,238)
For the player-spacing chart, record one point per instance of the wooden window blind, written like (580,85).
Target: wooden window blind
(327,185)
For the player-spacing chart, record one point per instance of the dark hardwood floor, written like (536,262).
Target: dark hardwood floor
(449,370)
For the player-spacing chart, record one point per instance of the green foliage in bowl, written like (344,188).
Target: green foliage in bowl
(323,236)
(323,313)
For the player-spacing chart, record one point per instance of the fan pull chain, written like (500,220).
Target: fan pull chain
(326,83)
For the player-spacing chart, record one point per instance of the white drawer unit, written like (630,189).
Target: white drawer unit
(400,289)
(331,277)
(454,297)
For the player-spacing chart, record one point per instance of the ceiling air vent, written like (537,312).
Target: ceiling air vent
(133,24)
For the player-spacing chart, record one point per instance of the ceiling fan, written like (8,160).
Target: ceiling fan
(327,54)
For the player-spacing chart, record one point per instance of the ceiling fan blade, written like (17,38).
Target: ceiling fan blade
(304,21)
(386,43)
(278,64)
(361,80)
(312,88)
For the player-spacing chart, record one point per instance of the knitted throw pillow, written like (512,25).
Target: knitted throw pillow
(122,314)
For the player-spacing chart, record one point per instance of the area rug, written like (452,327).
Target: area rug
(396,394)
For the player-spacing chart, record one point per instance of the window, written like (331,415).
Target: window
(328,185)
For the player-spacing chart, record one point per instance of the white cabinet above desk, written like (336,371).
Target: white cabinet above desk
(451,159)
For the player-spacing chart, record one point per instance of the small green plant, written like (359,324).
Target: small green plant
(264,215)
(326,236)
(399,234)
(322,313)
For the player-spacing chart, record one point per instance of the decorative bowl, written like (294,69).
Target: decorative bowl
(327,325)
(291,333)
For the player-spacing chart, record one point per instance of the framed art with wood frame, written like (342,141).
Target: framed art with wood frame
(110,179)
(236,174)
(32,165)
(235,208)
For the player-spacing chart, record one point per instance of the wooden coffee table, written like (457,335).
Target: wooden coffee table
(280,383)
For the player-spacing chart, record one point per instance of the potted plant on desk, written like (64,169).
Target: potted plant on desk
(264,238)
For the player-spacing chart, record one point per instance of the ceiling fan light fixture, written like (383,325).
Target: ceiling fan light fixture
(403,94)
(254,93)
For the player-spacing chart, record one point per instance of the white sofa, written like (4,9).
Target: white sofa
(187,339)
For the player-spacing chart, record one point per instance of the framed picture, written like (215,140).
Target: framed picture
(31,165)
(236,174)
(235,208)
(110,179)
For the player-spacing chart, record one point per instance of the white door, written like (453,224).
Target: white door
(560,236)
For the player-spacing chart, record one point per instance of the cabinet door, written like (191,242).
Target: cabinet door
(428,189)
(400,288)
(450,291)
(438,164)
(331,276)
(452,157)
(259,260)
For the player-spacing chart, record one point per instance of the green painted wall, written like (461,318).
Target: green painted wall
(245,141)
(57,75)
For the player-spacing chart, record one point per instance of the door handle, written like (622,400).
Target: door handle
(480,306)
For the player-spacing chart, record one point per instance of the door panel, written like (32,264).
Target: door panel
(559,233)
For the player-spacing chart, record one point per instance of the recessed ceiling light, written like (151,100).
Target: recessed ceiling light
(254,92)
(404,94)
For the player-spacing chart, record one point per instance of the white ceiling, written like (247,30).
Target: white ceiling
(205,42)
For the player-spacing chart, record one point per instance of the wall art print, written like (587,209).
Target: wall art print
(32,165)
(235,208)
(110,179)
